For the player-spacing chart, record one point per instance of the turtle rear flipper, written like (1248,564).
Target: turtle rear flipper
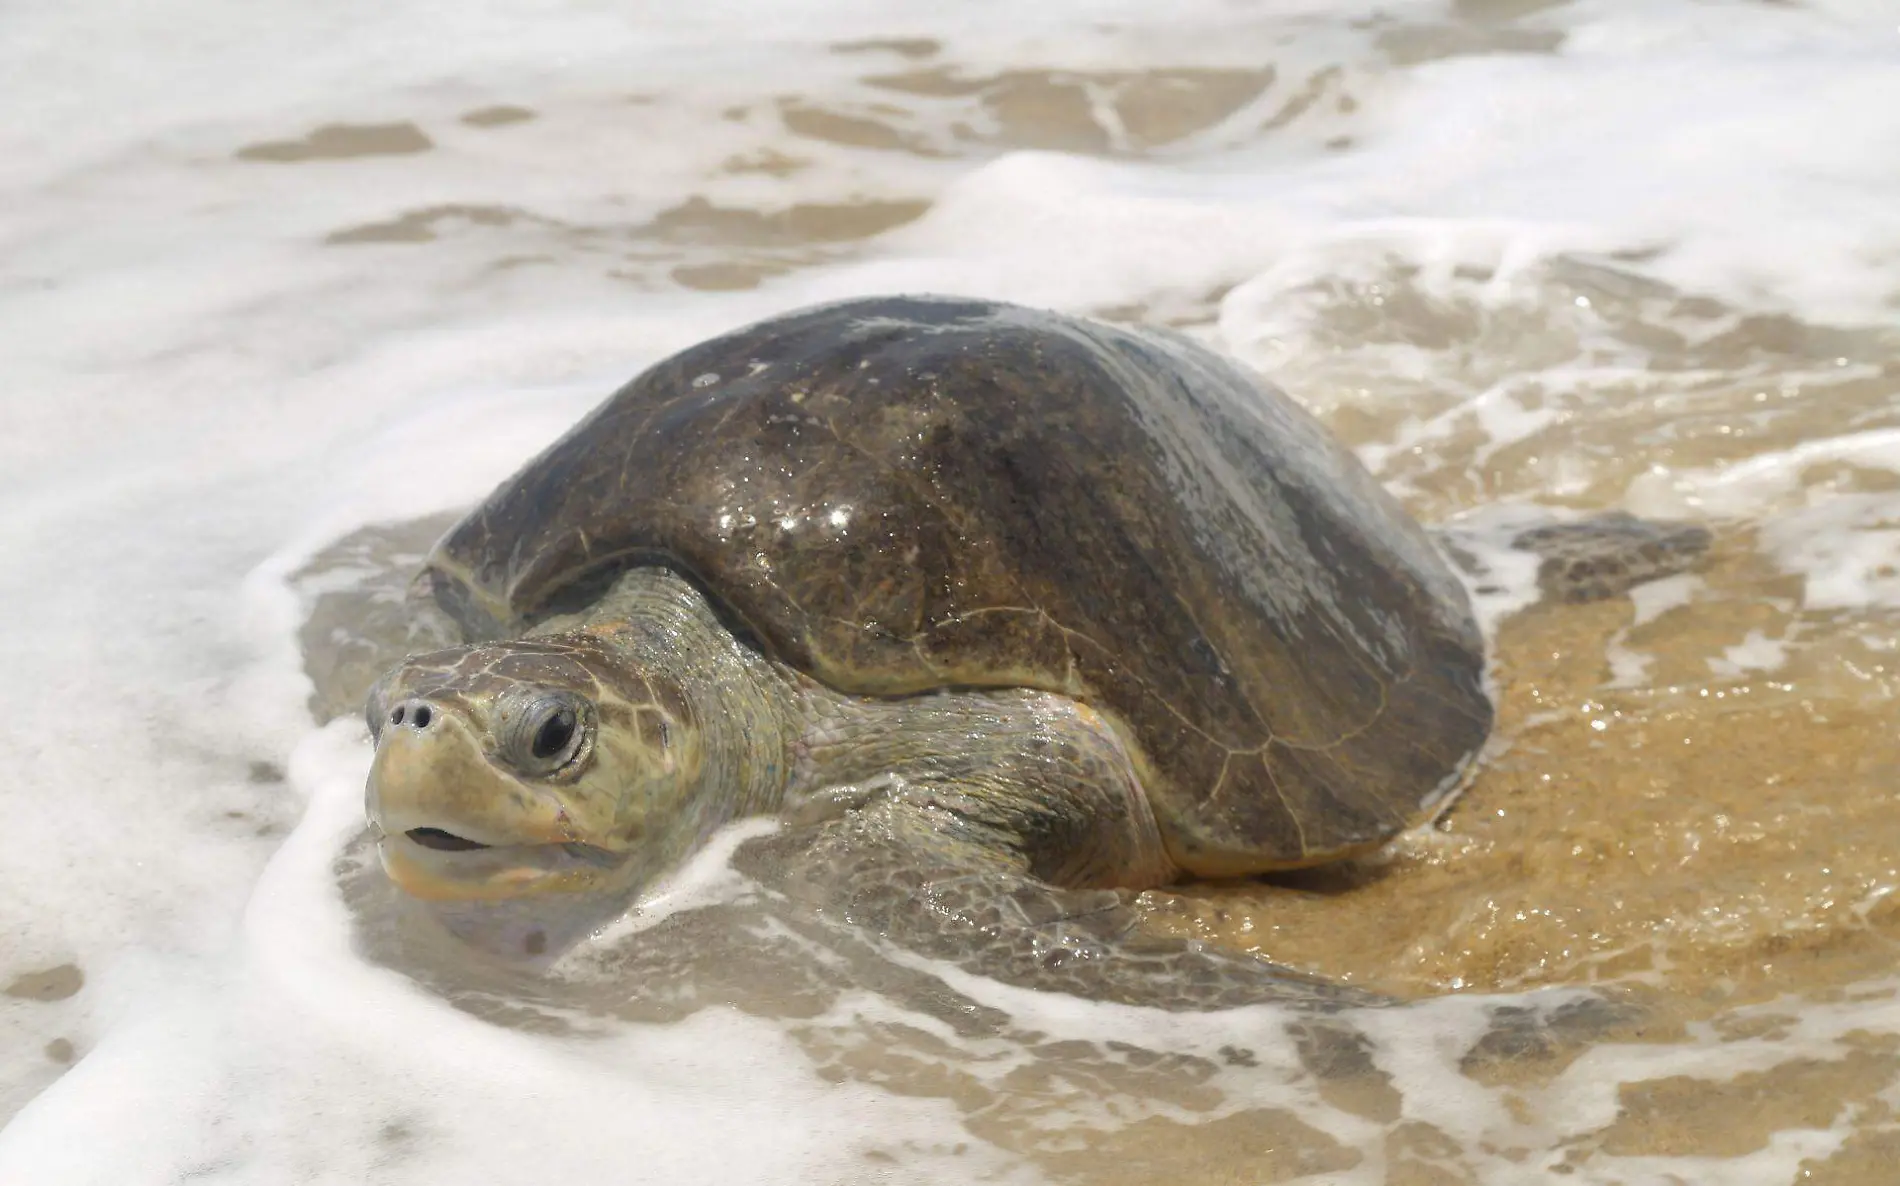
(1593,558)
(1606,555)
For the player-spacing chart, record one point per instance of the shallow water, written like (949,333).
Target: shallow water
(271,278)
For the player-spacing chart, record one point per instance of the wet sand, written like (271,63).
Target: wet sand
(1708,844)
(1718,838)
(1695,837)
(1689,802)
(1697,840)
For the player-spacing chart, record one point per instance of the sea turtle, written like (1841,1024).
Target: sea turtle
(1001,612)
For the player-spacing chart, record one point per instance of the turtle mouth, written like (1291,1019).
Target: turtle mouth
(442,841)
(439,840)
(433,862)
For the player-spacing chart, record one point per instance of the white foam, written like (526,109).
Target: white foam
(1500,579)
(1750,486)
(222,1074)
(705,879)
(195,394)
(1756,652)
(1844,544)
(1847,549)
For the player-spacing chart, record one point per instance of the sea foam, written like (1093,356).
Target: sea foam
(217,362)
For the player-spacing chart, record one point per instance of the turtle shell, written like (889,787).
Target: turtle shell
(904,494)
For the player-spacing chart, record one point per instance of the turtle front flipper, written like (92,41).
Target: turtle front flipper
(930,879)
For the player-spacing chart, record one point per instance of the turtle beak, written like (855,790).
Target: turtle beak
(451,826)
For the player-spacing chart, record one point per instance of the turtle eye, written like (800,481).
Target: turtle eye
(547,731)
(554,734)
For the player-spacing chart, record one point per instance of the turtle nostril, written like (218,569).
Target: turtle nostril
(417,713)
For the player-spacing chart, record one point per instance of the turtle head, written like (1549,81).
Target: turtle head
(531,769)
